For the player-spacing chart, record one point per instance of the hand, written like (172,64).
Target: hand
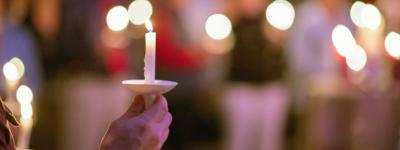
(139,129)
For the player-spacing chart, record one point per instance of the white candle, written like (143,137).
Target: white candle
(24,133)
(25,96)
(26,126)
(150,55)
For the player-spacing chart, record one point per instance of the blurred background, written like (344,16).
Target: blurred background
(252,74)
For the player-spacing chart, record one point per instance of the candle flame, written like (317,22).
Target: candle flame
(140,11)
(14,69)
(117,18)
(343,40)
(371,17)
(149,26)
(357,60)
(356,11)
(280,14)
(392,44)
(20,66)
(24,95)
(218,26)
(10,71)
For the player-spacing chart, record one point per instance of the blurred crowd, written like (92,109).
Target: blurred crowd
(260,88)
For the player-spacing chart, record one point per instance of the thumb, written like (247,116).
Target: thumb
(137,107)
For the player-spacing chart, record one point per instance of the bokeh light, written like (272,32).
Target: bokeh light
(218,26)
(24,95)
(392,44)
(343,40)
(280,14)
(371,17)
(357,60)
(10,71)
(117,18)
(20,66)
(356,12)
(140,11)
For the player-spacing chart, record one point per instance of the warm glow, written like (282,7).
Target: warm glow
(24,95)
(117,18)
(343,40)
(140,11)
(356,11)
(149,26)
(20,66)
(10,71)
(392,44)
(26,111)
(357,60)
(371,17)
(280,14)
(218,26)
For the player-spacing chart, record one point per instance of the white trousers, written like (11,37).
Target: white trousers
(256,116)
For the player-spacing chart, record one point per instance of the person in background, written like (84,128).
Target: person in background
(312,56)
(181,61)
(317,76)
(87,92)
(44,20)
(255,101)
(377,114)
(17,41)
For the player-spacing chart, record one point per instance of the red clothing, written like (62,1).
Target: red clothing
(171,54)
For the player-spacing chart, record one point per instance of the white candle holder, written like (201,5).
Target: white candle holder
(149,90)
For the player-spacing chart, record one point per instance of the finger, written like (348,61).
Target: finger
(156,134)
(137,107)
(164,138)
(166,121)
(163,126)
(157,111)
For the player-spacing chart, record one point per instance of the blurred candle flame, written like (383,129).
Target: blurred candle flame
(218,26)
(117,18)
(343,40)
(10,71)
(392,44)
(24,94)
(19,65)
(371,17)
(140,11)
(280,14)
(357,60)
(356,13)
